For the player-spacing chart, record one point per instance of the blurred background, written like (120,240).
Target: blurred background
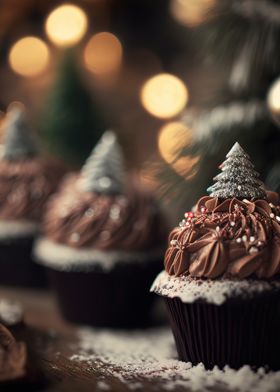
(178,80)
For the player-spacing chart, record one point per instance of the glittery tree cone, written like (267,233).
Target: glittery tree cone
(221,280)
(103,242)
(26,183)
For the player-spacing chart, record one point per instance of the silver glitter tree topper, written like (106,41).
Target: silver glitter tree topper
(104,170)
(238,177)
(18,143)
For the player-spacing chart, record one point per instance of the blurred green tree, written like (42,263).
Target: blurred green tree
(71,123)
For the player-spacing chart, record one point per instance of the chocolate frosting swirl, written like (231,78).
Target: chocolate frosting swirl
(130,222)
(12,356)
(227,238)
(25,186)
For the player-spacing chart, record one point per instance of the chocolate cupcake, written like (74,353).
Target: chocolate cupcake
(26,182)
(221,280)
(103,243)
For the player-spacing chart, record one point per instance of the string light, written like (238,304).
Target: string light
(29,56)
(164,95)
(190,12)
(103,53)
(66,25)
(173,137)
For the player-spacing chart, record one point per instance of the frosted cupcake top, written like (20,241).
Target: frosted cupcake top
(98,209)
(26,181)
(234,232)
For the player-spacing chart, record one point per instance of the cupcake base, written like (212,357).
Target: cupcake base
(16,265)
(239,332)
(118,298)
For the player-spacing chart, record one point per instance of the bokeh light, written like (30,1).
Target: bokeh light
(273,98)
(164,95)
(29,56)
(173,137)
(103,53)
(190,12)
(66,25)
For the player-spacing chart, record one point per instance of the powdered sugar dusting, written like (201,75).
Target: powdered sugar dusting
(10,312)
(148,358)
(10,229)
(215,292)
(65,258)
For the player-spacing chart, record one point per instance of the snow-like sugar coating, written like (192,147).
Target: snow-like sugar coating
(12,229)
(216,292)
(147,359)
(66,258)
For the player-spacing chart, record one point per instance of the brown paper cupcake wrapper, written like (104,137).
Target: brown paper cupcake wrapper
(17,267)
(118,298)
(239,332)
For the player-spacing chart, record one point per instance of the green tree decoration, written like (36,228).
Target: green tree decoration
(18,142)
(104,170)
(238,177)
(71,122)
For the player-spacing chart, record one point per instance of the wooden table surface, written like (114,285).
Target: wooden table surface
(51,341)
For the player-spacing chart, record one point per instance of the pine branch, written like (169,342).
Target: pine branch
(241,35)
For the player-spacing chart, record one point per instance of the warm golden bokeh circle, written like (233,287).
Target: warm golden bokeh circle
(191,12)
(29,56)
(173,137)
(103,53)
(164,95)
(273,98)
(66,25)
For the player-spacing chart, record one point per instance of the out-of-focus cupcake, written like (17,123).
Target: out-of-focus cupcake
(26,182)
(221,280)
(103,242)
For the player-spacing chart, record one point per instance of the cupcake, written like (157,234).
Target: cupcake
(221,280)
(103,242)
(26,182)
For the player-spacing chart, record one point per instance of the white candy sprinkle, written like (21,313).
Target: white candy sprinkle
(89,212)
(232,223)
(253,249)
(218,229)
(238,240)
(239,187)
(244,238)
(105,182)
(115,212)
(252,239)
(278,218)
(173,242)
(74,237)
(271,215)
(271,205)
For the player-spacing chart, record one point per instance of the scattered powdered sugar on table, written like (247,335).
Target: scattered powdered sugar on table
(148,358)
(215,292)
(10,312)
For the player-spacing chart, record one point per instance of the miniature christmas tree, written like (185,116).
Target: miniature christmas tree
(71,122)
(18,143)
(238,177)
(104,171)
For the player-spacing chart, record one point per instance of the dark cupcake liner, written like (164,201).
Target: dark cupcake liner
(17,267)
(236,333)
(117,298)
